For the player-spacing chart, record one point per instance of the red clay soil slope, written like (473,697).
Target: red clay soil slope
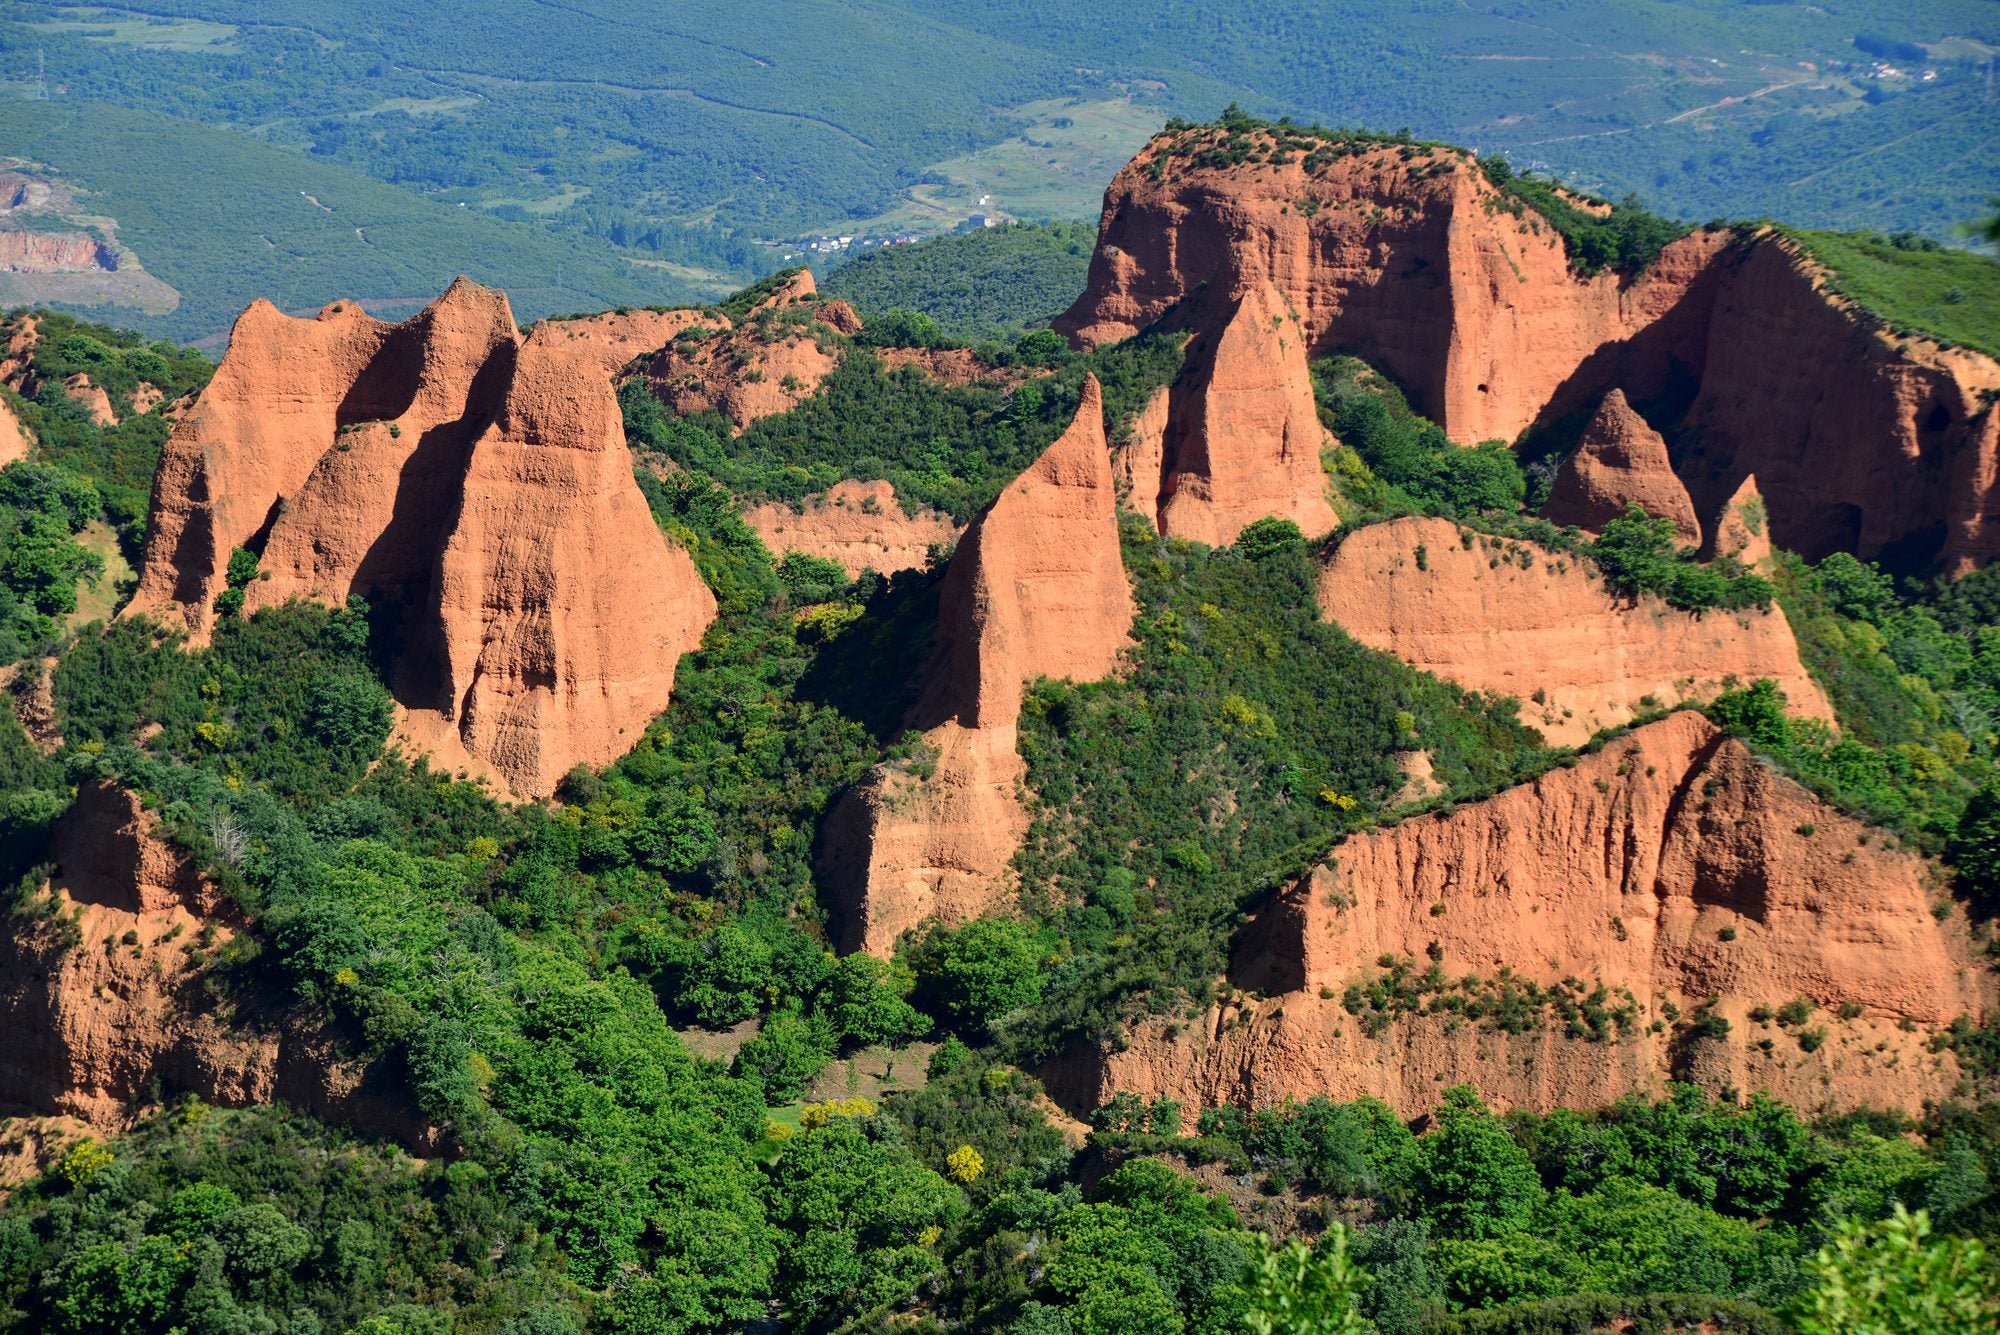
(1511,618)
(1036,588)
(479,480)
(1407,256)
(859,524)
(1670,868)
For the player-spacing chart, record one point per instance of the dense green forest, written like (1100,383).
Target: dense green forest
(631,154)
(992,285)
(541,981)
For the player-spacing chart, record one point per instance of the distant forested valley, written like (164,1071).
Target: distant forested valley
(613,151)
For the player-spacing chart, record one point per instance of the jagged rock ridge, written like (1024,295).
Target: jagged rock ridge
(477,480)
(1035,588)
(1510,618)
(1408,257)
(1672,867)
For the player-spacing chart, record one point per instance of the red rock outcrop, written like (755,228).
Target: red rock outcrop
(1671,868)
(1409,258)
(1742,531)
(93,398)
(766,363)
(859,524)
(1510,618)
(1621,461)
(107,1000)
(1036,588)
(480,481)
(14,441)
(1242,440)
(54,252)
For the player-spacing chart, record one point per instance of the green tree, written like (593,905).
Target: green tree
(862,1000)
(1299,1290)
(1474,1180)
(787,1052)
(1894,1278)
(972,975)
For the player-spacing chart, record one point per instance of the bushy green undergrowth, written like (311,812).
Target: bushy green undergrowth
(1596,234)
(950,446)
(1247,736)
(79,471)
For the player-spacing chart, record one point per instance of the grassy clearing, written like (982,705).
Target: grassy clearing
(1949,295)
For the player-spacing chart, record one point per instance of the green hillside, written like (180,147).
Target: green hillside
(1949,295)
(223,219)
(992,284)
(708,139)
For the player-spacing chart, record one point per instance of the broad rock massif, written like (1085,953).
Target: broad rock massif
(1409,257)
(1672,874)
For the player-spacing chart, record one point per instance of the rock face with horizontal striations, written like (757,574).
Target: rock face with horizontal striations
(479,482)
(1620,462)
(107,1000)
(1036,588)
(1510,618)
(1670,868)
(859,524)
(1409,258)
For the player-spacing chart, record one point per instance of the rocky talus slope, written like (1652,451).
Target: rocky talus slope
(108,999)
(1620,462)
(1670,868)
(859,524)
(1035,588)
(1408,257)
(476,479)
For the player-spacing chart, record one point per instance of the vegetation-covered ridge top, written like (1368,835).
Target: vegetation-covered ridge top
(1914,285)
(1597,234)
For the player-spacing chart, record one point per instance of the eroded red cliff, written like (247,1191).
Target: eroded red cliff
(1036,588)
(1407,256)
(109,1000)
(1510,618)
(478,481)
(1671,869)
